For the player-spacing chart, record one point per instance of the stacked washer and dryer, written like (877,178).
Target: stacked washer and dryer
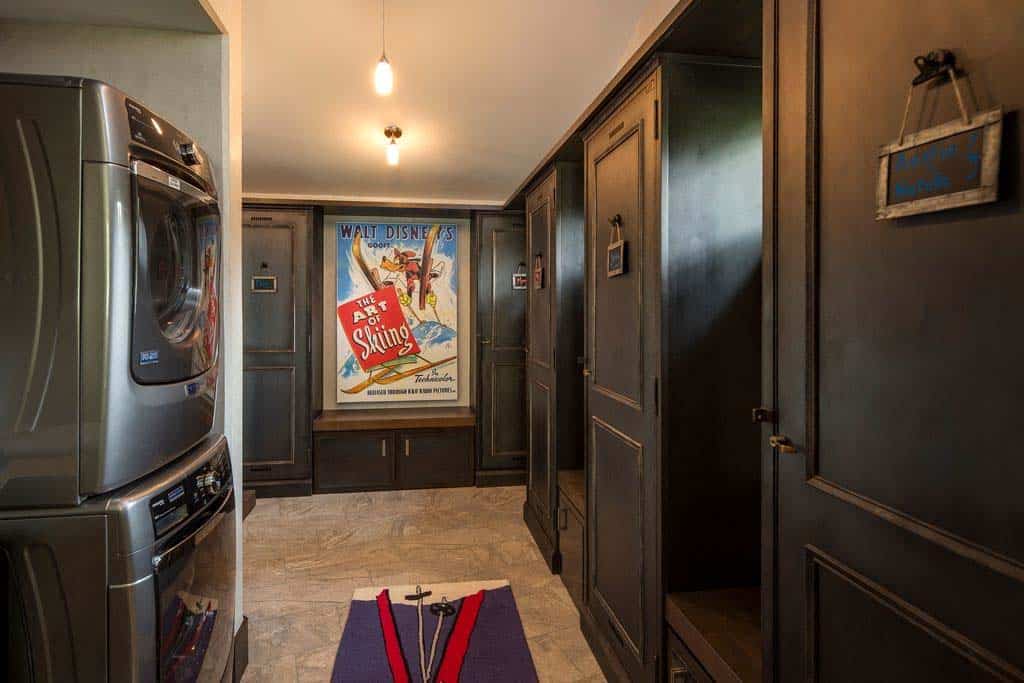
(117,523)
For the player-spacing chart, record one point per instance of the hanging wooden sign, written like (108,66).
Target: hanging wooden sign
(519,277)
(616,249)
(951,165)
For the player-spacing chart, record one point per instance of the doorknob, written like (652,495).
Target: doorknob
(586,372)
(781,443)
(485,340)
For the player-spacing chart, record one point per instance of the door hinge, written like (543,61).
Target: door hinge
(763,415)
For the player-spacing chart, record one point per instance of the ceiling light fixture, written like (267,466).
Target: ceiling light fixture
(392,133)
(383,77)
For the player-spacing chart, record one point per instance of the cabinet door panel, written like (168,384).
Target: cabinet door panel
(428,458)
(570,544)
(347,461)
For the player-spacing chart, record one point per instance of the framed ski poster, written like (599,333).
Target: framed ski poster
(397,312)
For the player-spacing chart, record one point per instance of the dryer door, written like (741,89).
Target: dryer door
(177,245)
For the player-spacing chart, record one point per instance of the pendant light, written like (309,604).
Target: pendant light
(392,133)
(383,77)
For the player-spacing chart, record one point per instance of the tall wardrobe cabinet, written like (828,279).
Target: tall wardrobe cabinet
(554,261)
(673,235)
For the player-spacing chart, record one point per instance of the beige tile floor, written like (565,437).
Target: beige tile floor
(305,556)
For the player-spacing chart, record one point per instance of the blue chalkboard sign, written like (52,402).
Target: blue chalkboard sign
(955,164)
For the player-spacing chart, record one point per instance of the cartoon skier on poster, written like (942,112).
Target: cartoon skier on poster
(406,280)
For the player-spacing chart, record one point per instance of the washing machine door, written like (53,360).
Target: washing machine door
(177,253)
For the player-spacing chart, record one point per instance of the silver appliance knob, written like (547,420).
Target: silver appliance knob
(189,153)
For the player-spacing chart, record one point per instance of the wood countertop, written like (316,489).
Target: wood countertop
(393,418)
(722,628)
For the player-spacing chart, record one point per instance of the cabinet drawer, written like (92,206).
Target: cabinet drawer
(682,665)
(348,461)
(433,458)
(570,543)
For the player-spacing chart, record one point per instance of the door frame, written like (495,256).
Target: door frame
(769,337)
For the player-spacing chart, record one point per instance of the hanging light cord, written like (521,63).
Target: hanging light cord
(383,48)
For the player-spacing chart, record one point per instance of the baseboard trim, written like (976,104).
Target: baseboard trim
(547,546)
(285,488)
(240,647)
(485,478)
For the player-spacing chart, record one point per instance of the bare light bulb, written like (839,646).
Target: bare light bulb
(383,77)
(392,154)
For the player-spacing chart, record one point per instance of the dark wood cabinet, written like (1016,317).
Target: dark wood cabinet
(434,457)
(500,240)
(366,450)
(673,240)
(354,461)
(555,258)
(276,367)
(571,543)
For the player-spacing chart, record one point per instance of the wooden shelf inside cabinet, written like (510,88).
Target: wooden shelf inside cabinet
(393,418)
(722,628)
(573,486)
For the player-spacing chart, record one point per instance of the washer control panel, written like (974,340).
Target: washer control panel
(177,503)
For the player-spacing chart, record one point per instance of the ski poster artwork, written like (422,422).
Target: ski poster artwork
(397,305)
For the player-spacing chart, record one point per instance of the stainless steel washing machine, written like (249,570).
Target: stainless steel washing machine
(109,274)
(135,585)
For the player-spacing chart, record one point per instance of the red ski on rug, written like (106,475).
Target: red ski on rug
(441,633)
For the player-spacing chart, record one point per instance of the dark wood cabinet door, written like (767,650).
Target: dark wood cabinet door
(899,546)
(623,343)
(276,329)
(501,334)
(430,458)
(350,461)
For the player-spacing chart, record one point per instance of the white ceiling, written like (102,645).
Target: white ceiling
(482,89)
(179,15)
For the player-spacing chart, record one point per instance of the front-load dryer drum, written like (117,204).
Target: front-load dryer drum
(175,326)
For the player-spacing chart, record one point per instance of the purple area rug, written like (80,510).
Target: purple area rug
(472,629)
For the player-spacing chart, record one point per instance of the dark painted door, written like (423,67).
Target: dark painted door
(900,520)
(623,342)
(276,308)
(501,333)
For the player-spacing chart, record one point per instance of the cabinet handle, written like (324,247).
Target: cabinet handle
(680,674)
(383,448)
(407,448)
(781,443)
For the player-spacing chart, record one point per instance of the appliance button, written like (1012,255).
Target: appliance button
(189,153)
